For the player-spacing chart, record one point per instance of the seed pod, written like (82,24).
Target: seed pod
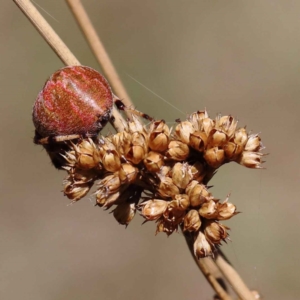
(153,209)
(197,193)
(209,210)
(226,210)
(111,183)
(216,138)
(254,143)
(183,131)
(198,140)
(192,221)
(214,157)
(232,150)
(167,188)
(87,154)
(159,134)
(180,201)
(207,125)
(202,248)
(166,226)
(181,175)
(111,161)
(127,173)
(122,142)
(250,159)
(197,118)
(153,161)
(198,171)
(138,148)
(226,124)
(76,191)
(215,232)
(80,176)
(124,213)
(178,151)
(240,137)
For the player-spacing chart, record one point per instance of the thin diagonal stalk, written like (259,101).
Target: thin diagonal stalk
(100,53)
(233,278)
(58,46)
(209,270)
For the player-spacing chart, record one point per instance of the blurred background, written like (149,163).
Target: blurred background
(231,57)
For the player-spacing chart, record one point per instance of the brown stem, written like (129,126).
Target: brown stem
(58,46)
(100,53)
(209,270)
(234,279)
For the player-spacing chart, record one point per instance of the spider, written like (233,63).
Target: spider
(75,102)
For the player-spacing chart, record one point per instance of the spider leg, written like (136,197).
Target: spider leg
(56,139)
(121,106)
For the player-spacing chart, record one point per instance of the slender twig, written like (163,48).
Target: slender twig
(100,53)
(209,270)
(57,45)
(233,278)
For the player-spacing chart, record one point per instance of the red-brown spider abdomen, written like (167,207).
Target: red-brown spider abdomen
(74,100)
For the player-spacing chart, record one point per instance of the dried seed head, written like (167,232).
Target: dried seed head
(183,131)
(197,193)
(166,226)
(87,154)
(198,140)
(167,188)
(254,143)
(198,171)
(209,210)
(250,159)
(226,210)
(240,137)
(111,161)
(226,124)
(138,148)
(128,173)
(214,157)
(202,248)
(181,175)
(111,183)
(181,202)
(192,221)
(197,118)
(153,209)
(215,232)
(207,125)
(76,191)
(124,213)
(153,161)
(178,151)
(159,136)
(122,142)
(216,138)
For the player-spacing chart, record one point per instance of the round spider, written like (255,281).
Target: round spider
(75,102)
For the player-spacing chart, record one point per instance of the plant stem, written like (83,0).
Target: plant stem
(100,53)
(233,278)
(58,46)
(209,270)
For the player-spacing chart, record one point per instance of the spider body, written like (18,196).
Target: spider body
(75,102)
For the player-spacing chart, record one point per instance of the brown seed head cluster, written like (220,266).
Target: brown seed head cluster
(164,175)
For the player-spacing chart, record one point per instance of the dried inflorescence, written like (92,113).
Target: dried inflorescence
(164,175)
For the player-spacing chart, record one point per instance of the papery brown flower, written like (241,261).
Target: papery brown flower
(250,159)
(166,188)
(183,131)
(181,175)
(226,210)
(197,118)
(197,193)
(202,248)
(153,209)
(198,140)
(254,143)
(209,210)
(227,124)
(192,221)
(177,151)
(159,134)
(127,173)
(153,161)
(214,157)
(215,232)
(76,191)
